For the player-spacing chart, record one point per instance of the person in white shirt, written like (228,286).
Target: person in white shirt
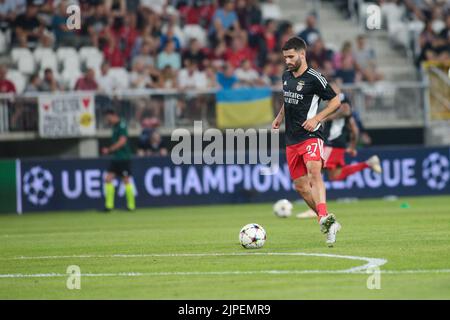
(247,76)
(104,80)
(191,77)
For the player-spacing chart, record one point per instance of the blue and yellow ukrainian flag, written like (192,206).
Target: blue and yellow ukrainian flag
(244,107)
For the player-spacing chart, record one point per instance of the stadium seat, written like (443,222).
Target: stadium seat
(71,63)
(3,42)
(42,53)
(121,78)
(196,32)
(69,77)
(63,53)
(89,52)
(271,11)
(19,80)
(94,62)
(24,60)
(18,53)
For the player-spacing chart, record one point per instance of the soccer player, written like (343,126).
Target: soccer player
(303,88)
(120,163)
(341,134)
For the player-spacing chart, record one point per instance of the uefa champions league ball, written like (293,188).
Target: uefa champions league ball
(282,208)
(252,236)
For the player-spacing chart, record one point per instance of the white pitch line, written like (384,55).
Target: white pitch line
(278,272)
(370,263)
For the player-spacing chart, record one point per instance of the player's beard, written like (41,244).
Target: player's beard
(296,66)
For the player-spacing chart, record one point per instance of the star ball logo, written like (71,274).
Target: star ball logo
(435,171)
(38,185)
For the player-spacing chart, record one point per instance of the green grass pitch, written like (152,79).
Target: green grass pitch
(139,255)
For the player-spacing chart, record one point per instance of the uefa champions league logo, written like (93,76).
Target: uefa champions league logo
(38,185)
(435,170)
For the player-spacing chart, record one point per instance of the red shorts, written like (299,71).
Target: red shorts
(334,157)
(299,154)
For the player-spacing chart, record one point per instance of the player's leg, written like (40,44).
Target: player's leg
(340,173)
(303,187)
(125,172)
(318,194)
(313,158)
(109,190)
(129,193)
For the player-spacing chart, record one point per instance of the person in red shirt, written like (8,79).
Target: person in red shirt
(87,82)
(239,52)
(6,86)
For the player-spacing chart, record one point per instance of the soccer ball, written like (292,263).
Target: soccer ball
(252,236)
(282,208)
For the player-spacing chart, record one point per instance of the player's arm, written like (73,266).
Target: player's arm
(331,107)
(343,111)
(116,146)
(278,119)
(354,134)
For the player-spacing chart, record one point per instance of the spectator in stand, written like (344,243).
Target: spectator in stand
(87,82)
(320,58)
(198,12)
(217,55)
(224,23)
(239,51)
(62,34)
(211,78)
(169,57)
(191,77)
(311,33)
(169,36)
(365,58)
(152,145)
(49,82)
(8,13)
(267,75)
(95,25)
(6,86)
(249,14)
(270,36)
(104,80)
(157,6)
(140,77)
(194,53)
(29,28)
(34,83)
(227,79)
(286,32)
(146,53)
(247,76)
(345,65)
(113,53)
(168,78)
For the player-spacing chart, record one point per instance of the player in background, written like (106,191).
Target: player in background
(303,88)
(341,134)
(120,163)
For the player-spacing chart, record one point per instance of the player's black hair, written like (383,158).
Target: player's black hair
(109,111)
(295,43)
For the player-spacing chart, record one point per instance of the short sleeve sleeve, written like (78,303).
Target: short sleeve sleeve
(323,88)
(123,130)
